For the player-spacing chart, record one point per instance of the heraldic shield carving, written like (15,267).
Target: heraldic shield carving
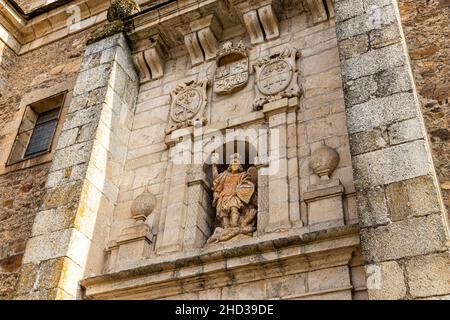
(232,68)
(188,105)
(276,77)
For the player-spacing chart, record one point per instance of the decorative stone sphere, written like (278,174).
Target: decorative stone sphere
(324,161)
(143,205)
(121,9)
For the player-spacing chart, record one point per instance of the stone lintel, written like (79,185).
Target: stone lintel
(280,106)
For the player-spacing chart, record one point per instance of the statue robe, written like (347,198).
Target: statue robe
(231,190)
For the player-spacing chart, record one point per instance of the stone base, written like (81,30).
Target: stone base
(324,202)
(135,243)
(294,265)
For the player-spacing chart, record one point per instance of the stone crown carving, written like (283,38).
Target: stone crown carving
(232,68)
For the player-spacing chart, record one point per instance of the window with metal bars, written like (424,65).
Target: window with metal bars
(38,127)
(43,132)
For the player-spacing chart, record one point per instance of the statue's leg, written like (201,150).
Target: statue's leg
(234,217)
(225,221)
(249,217)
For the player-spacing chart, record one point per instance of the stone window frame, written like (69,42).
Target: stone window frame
(28,100)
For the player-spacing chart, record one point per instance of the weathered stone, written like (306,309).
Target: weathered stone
(412,198)
(372,207)
(386,281)
(373,62)
(429,275)
(381,112)
(367,141)
(354,46)
(405,238)
(405,131)
(392,164)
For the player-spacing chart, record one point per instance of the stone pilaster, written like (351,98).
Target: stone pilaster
(71,228)
(404,232)
(176,196)
(283,206)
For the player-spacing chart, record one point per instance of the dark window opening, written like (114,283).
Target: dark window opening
(37,130)
(43,132)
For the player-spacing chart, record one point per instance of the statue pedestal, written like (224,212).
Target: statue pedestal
(134,244)
(324,203)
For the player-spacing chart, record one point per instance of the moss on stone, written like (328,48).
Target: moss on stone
(117,12)
(105,31)
(121,9)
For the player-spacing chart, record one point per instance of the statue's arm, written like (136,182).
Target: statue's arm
(215,171)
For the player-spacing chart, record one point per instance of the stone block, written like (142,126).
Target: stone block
(372,207)
(52,220)
(359,91)
(286,286)
(405,131)
(92,79)
(346,9)
(363,23)
(386,36)
(367,141)
(250,291)
(381,112)
(392,164)
(392,81)
(385,281)
(354,46)
(429,275)
(373,62)
(330,278)
(320,62)
(72,155)
(412,198)
(405,238)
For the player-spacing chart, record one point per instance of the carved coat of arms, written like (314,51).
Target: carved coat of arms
(276,77)
(232,68)
(188,105)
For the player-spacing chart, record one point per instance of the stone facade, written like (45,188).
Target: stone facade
(338,196)
(426,26)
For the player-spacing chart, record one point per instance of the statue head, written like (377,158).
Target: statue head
(235,163)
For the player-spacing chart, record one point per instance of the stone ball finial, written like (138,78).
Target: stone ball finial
(143,205)
(324,161)
(121,9)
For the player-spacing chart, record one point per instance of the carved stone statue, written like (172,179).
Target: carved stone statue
(235,199)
